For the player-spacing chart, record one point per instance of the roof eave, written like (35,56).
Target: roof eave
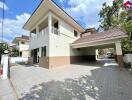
(26,27)
(118,37)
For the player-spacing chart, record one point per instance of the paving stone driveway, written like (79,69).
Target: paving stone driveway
(74,82)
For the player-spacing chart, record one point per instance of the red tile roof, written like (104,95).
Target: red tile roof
(23,37)
(101,36)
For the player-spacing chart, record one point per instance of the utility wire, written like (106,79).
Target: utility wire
(3,16)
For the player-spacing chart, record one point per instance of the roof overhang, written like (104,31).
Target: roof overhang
(107,41)
(46,6)
(16,40)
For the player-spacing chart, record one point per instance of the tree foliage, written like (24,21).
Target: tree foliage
(3,47)
(111,17)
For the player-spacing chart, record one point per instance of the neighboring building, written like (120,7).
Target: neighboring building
(89,32)
(22,44)
(55,38)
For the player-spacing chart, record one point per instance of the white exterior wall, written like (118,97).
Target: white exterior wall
(60,44)
(24,46)
(40,39)
(118,48)
(25,53)
(57,45)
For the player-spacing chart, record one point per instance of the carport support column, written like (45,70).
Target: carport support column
(119,56)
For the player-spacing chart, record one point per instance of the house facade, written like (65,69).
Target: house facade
(55,37)
(22,44)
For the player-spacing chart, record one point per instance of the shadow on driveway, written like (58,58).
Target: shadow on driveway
(104,83)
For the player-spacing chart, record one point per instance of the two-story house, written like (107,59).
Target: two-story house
(55,38)
(22,44)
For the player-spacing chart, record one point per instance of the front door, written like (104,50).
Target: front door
(35,55)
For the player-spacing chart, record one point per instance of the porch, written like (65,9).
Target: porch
(88,46)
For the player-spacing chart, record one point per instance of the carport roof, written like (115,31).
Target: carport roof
(100,36)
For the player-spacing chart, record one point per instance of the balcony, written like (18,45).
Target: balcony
(55,31)
(42,38)
(42,33)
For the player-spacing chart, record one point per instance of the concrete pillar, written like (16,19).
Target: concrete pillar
(5,66)
(50,22)
(40,52)
(50,33)
(37,30)
(119,56)
(97,54)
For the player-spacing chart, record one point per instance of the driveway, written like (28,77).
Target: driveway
(83,81)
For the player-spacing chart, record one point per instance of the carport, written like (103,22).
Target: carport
(88,44)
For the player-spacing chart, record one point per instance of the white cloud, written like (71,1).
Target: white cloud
(86,11)
(62,1)
(13,27)
(5,6)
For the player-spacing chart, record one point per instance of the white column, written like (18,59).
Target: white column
(40,52)
(119,56)
(118,48)
(5,66)
(97,54)
(50,22)
(37,30)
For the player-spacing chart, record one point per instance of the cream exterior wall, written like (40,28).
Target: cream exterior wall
(57,45)
(24,48)
(60,44)
(40,40)
(25,53)
(118,48)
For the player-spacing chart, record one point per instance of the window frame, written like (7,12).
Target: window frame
(43,51)
(75,33)
(22,42)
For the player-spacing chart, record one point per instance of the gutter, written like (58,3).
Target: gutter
(75,44)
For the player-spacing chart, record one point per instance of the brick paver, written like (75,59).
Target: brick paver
(84,81)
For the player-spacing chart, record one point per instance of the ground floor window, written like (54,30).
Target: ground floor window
(20,54)
(32,53)
(43,54)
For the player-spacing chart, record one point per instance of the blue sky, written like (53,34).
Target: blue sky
(17,12)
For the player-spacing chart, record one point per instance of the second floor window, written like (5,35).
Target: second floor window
(56,25)
(43,50)
(75,33)
(22,42)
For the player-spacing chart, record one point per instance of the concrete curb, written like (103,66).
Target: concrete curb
(14,91)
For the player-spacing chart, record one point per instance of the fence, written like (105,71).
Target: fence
(18,59)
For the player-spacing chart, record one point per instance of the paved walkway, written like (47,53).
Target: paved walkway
(6,90)
(93,81)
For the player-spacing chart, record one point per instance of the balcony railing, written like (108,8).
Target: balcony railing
(55,31)
(40,34)
(44,32)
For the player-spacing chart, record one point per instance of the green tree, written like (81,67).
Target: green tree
(105,17)
(15,52)
(3,47)
(111,17)
(127,42)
